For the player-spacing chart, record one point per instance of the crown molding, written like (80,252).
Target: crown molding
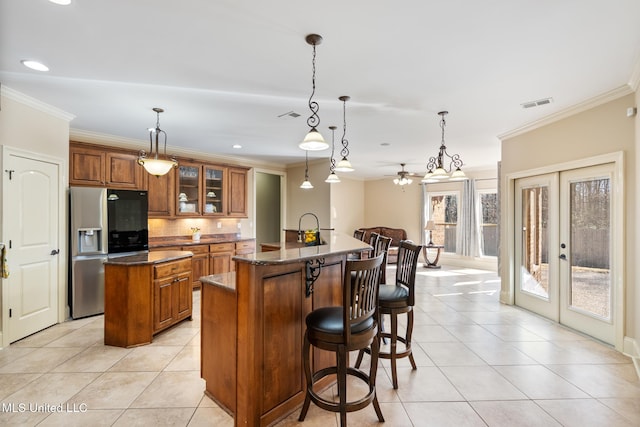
(571,111)
(35,104)
(89,137)
(634,80)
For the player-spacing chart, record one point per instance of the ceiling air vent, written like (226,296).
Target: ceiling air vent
(289,115)
(537,103)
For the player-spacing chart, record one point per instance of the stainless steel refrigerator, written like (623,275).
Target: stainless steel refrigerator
(103,223)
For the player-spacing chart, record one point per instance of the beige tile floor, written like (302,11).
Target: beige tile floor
(480,363)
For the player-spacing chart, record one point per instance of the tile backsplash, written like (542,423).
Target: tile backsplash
(182,226)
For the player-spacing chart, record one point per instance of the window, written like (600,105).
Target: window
(443,210)
(488,206)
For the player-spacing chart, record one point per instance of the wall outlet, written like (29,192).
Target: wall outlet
(219,224)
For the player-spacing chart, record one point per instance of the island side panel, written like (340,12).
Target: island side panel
(128,305)
(272,307)
(218,344)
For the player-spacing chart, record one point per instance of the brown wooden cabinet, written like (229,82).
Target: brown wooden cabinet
(220,255)
(200,262)
(161,195)
(145,295)
(211,190)
(172,293)
(98,167)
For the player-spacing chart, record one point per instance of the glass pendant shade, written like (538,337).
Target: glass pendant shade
(344,165)
(313,141)
(157,167)
(439,173)
(306,184)
(151,161)
(332,178)
(458,175)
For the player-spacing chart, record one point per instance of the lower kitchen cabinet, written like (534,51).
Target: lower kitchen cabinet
(200,262)
(220,255)
(172,300)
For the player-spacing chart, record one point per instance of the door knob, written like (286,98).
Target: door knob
(563,256)
(55,252)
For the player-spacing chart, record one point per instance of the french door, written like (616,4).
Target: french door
(564,241)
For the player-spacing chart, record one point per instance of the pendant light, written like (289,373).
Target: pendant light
(314,140)
(437,169)
(306,184)
(332,178)
(344,165)
(152,162)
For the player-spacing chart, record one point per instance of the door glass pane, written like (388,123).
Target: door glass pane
(444,212)
(489,206)
(188,189)
(590,289)
(214,190)
(535,235)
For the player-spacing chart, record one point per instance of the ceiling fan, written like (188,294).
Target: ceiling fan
(403,177)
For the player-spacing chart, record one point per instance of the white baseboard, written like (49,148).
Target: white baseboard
(632,349)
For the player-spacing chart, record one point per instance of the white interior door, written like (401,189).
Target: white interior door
(564,238)
(536,225)
(30,229)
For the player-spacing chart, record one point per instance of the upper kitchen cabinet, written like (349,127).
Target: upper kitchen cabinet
(237,193)
(189,184)
(97,167)
(215,192)
(211,190)
(161,195)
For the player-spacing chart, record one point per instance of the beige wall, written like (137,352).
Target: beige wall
(632,280)
(30,126)
(600,130)
(347,204)
(389,205)
(316,200)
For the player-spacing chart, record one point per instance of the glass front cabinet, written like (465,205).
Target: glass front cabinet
(202,190)
(214,190)
(189,189)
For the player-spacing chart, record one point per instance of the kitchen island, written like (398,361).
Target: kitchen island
(253,324)
(145,294)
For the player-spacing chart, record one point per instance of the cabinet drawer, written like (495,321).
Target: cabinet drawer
(171,268)
(245,247)
(197,249)
(222,247)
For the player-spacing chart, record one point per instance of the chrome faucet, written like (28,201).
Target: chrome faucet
(301,233)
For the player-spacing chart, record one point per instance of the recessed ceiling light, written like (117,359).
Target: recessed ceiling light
(34,65)
(61,2)
(237,146)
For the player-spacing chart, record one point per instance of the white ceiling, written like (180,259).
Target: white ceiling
(225,70)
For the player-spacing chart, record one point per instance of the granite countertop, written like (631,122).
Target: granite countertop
(222,280)
(187,241)
(336,244)
(149,258)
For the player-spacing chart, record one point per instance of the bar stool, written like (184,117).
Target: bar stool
(353,326)
(397,299)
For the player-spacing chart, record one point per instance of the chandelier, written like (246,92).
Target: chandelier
(444,165)
(344,165)
(152,161)
(332,178)
(313,140)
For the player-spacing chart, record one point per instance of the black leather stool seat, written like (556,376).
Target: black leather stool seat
(392,293)
(328,320)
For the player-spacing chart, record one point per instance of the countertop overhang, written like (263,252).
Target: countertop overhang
(336,244)
(149,258)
